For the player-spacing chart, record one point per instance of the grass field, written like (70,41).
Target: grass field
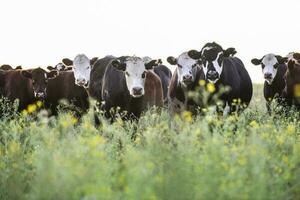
(251,156)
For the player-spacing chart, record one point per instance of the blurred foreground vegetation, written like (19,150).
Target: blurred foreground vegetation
(250,156)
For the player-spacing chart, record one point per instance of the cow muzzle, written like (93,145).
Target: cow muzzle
(268,77)
(187,79)
(82,82)
(137,92)
(40,95)
(212,76)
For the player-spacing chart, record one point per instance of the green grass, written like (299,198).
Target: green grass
(251,156)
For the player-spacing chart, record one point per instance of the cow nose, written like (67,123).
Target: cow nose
(212,75)
(137,90)
(40,94)
(81,81)
(187,78)
(268,75)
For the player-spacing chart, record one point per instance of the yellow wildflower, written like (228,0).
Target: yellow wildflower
(24,112)
(31,108)
(254,124)
(290,129)
(74,120)
(211,88)
(297,90)
(202,82)
(187,116)
(39,104)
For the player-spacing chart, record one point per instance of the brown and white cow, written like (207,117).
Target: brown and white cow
(27,86)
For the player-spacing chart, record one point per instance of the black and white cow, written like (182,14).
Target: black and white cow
(185,79)
(81,67)
(222,69)
(123,85)
(273,69)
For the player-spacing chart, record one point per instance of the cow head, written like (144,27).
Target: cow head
(39,79)
(186,68)
(269,64)
(135,70)
(212,57)
(6,67)
(82,67)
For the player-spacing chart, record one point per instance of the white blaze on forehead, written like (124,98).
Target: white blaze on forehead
(135,67)
(186,64)
(82,68)
(218,68)
(269,61)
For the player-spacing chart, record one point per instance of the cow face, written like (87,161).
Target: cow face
(186,68)
(212,56)
(135,70)
(292,79)
(269,64)
(39,79)
(82,67)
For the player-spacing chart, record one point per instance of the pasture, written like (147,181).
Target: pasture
(250,156)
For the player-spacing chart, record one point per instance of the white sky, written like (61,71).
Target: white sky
(42,32)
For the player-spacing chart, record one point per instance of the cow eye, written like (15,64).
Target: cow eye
(127,74)
(179,66)
(144,75)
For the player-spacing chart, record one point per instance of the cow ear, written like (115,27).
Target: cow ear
(52,74)
(151,64)
(159,61)
(93,61)
(194,54)
(172,60)
(68,68)
(256,61)
(229,52)
(118,65)
(296,56)
(18,67)
(50,68)
(281,60)
(291,65)
(26,74)
(67,62)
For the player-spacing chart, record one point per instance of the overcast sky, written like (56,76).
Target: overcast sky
(42,32)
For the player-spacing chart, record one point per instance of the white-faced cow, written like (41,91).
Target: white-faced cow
(60,67)
(222,69)
(82,67)
(27,86)
(185,79)
(273,69)
(123,85)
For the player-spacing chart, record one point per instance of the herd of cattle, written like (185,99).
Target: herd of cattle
(134,84)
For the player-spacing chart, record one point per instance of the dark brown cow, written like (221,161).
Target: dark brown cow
(63,87)
(27,86)
(291,92)
(8,67)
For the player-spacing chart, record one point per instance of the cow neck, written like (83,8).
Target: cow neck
(135,106)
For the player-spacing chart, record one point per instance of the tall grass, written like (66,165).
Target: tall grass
(250,156)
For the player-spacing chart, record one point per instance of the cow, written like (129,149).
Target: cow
(63,87)
(28,86)
(123,86)
(165,76)
(291,92)
(8,67)
(82,67)
(222,69)
(60,67)
(185,79)
(273,69)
